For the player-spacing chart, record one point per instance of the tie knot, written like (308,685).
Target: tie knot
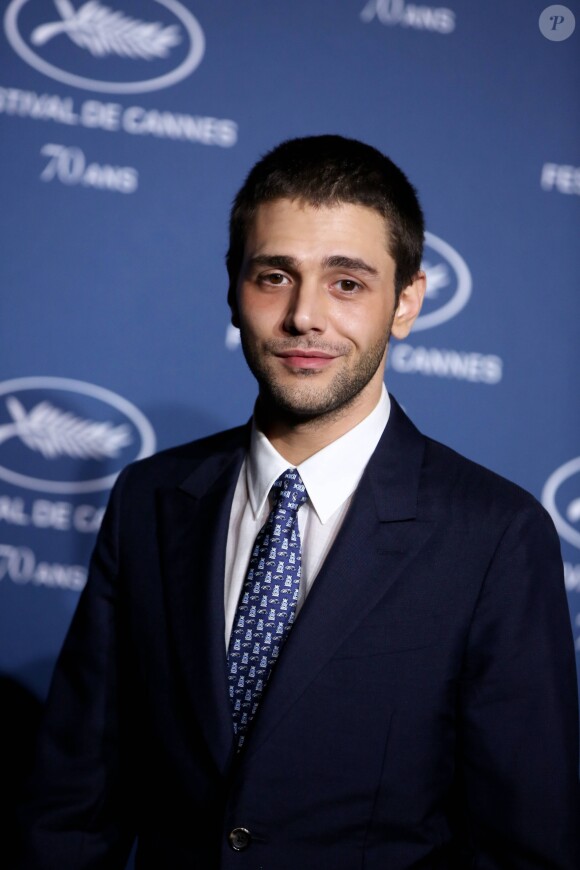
(289,490)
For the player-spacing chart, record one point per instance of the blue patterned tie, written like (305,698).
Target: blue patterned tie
(267,605)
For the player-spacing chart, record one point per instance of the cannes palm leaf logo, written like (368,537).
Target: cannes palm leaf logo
(54,433)
(103,31)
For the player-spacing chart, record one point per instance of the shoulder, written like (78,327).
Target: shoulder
(450,484)
(478,501)
(486,523)
(172,466)
(455,473)
(456,476)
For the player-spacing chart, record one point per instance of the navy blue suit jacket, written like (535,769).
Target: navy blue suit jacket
(422,714)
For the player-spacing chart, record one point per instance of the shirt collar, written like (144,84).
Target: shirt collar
(330,476)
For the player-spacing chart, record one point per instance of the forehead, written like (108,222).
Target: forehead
(285,224)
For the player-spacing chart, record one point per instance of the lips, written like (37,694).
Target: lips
(298,358)
(306,353)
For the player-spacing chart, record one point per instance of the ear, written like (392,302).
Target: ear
(410,302)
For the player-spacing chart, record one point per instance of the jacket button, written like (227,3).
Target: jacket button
(239,839)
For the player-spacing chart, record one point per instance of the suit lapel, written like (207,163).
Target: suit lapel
(379,538)
(193,534)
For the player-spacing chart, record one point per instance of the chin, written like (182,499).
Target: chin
(302,404)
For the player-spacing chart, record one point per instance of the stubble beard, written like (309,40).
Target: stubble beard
(304,401)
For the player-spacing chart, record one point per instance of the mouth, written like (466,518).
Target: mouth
(297,358)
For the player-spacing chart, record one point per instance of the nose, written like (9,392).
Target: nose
(306,309)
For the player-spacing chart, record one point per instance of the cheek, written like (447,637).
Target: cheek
(365,325)
(258,312)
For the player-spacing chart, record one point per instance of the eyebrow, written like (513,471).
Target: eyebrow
(338,261)
(352,264)
(274,261)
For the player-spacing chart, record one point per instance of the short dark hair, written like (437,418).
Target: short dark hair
(327,170)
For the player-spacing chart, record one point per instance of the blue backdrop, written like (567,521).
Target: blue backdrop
(126,128)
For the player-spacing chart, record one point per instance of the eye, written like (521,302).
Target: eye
(275,278)
(348,285)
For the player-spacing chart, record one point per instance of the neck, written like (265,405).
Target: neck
(296,439)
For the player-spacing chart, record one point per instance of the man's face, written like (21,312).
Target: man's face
(315,305)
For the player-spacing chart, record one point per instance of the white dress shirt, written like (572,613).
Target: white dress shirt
(330,477)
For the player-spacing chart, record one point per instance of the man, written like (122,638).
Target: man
(321,640)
